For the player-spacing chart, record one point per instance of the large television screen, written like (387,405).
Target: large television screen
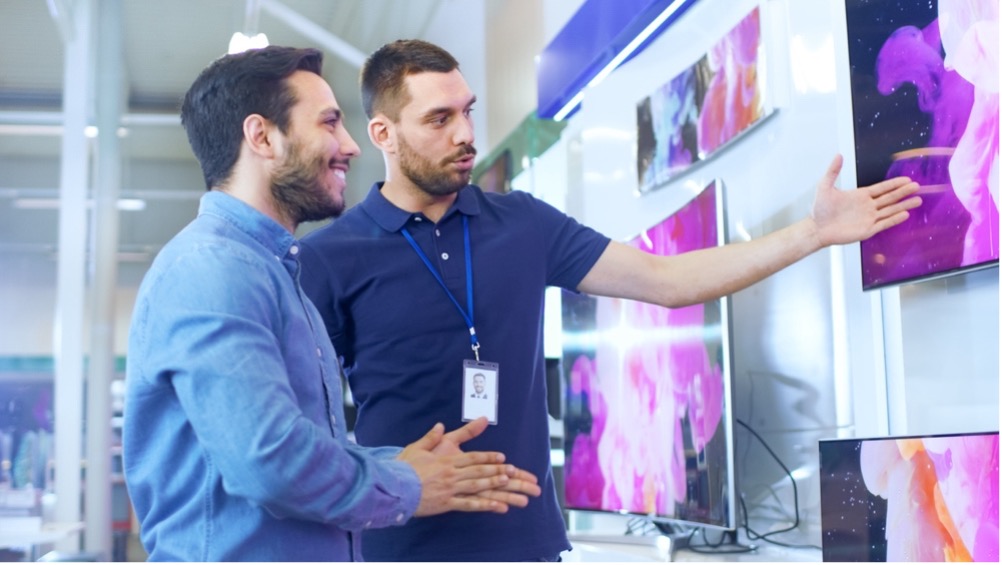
(647,425)
(920,498)
(924,79)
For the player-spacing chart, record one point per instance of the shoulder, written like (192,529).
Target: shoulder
(518,206)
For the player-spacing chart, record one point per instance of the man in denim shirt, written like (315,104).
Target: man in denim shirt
(235,442)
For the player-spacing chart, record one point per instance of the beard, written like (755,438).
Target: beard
(434,179)
(299,190)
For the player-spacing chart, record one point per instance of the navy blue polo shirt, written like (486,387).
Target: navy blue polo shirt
(403,343)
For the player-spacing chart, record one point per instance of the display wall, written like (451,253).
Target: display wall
(814,355)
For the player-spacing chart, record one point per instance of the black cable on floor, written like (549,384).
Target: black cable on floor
(752,534)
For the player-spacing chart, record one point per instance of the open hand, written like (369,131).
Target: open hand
(468,482)
(846,216)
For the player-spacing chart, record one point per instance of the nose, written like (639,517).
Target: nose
(348,147)
(463,134)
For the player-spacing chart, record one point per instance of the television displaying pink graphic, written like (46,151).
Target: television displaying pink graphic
(647,416)
(925,498)
(703,108)
(925,98)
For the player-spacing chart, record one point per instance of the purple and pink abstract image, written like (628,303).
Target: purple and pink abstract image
(644,420)
(702,108)
(932,498)
(925,94)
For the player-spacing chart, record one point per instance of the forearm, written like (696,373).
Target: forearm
(710,273)
(694,277)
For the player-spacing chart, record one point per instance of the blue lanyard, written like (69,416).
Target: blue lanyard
(469,282)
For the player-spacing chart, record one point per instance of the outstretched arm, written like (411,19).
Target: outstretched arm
(838,217)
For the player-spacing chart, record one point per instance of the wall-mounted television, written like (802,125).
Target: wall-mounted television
(704,108)
(647,421)
(924,81)
(918,498)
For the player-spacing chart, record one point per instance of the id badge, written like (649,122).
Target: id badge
(480,390)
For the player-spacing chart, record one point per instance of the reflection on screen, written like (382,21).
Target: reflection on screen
(646,397)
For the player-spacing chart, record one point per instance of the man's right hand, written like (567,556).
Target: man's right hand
(452,480)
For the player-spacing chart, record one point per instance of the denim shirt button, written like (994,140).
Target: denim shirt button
(368,524)
(319,353)
(333,420)
(400,518)
(294,250)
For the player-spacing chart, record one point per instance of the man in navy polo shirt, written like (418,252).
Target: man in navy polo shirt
(430,278)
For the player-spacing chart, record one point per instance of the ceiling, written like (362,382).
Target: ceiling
(166,44)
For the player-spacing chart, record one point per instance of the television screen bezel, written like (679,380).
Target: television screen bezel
(727,413)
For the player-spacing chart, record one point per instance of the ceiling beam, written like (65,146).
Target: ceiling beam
(327,40)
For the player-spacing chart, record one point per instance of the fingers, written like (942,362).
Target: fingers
(834,168)
(485,471)
(506,498)
(430,439)
(886,186)
(898,195)
(468,432)
(496,500)
(476,503)
(521,488)
(523,475)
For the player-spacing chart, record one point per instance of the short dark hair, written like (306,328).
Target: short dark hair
(232,88)
(383,73)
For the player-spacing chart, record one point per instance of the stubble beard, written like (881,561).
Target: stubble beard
(436,180)
(299,190)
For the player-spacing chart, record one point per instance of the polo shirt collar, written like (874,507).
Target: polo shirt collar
(392,219)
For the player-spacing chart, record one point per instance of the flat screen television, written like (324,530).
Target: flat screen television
(647,420)
(924,80)
(917,498)
(704,108)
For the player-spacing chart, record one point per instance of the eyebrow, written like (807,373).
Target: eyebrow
(331,113)
(446,109)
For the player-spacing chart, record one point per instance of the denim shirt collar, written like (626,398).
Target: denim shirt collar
(392,219)
(266,231)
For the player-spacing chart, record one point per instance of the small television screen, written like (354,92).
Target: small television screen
(924,84)
(647,426)
(920,498)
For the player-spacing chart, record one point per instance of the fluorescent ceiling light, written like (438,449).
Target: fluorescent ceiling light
(126,204)
(624,54)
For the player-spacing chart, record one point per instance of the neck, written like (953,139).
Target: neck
(257,194)
(409,197)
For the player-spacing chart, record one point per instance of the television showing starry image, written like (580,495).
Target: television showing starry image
(920,498)
(924,78)
(647,419)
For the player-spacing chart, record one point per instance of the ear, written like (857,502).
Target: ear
(260,136)
(381,133)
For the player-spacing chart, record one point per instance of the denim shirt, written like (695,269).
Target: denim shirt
(234,439)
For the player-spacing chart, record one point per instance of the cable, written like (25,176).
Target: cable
(752,534)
